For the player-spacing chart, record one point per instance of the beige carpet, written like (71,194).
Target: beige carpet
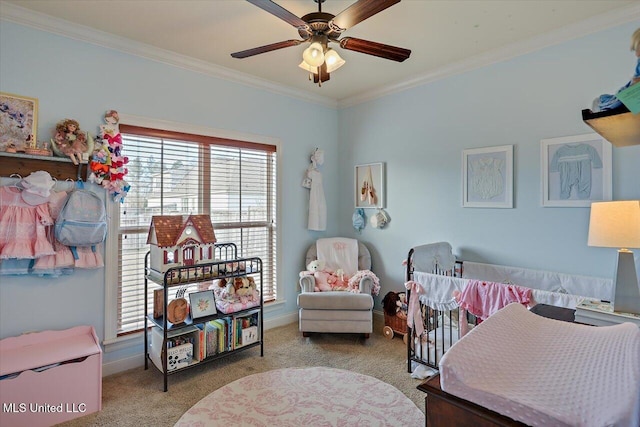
(135,397)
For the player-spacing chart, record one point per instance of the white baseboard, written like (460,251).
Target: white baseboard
(122,365)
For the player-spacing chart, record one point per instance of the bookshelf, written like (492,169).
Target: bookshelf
(618,126)
(174,347)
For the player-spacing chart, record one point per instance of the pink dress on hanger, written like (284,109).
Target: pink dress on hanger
(22,227)
(89,257)
(63,258)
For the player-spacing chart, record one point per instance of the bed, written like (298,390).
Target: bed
(518,368)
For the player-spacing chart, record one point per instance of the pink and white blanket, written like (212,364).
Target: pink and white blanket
(227,303)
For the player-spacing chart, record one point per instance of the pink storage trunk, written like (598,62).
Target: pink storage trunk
(70,387)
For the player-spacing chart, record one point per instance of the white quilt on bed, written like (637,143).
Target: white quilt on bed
(545,372)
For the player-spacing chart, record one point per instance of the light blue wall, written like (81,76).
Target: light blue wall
(79,80)
(420,134)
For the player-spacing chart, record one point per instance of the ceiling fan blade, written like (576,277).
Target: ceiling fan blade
(358,12)
(280,12)
(377,49)
(267,48)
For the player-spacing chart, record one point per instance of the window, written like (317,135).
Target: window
(173,173)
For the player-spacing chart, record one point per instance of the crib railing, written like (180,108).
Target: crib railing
(438,324)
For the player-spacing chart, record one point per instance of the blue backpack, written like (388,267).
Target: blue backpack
(82,220)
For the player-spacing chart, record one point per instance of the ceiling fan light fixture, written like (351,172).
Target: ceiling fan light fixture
(308,67)
(333,60)
(314,55)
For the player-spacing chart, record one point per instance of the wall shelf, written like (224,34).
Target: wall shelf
(618,126)
(60,168)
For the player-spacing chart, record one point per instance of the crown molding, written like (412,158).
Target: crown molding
(592,25)
(23,16)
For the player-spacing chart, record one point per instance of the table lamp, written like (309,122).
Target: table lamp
(617,225)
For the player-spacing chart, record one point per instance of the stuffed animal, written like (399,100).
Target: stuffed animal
(244,286)
(324,279)
(227,285)
(401,305)
(402,302)
(395,303)
(240,286)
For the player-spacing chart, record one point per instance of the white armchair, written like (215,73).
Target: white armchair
(338,311)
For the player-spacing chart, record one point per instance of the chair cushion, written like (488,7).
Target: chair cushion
(335,300)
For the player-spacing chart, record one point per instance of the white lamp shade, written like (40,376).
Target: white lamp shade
(308,67)
(615,224)
(333,60)
(313,55)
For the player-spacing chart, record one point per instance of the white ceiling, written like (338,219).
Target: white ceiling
(444,36)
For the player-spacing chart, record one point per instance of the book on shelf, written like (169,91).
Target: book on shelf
(211,339)
(246,330)
(182,347)
(220,326)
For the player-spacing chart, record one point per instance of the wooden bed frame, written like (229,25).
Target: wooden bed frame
(445,410)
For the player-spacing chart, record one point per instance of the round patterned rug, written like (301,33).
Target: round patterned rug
(305,397)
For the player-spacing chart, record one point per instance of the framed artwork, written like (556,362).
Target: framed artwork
(575,170)
(18,121)
(487,177)
(202,304)
(370,185)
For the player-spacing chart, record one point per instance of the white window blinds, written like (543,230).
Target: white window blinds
(174,173)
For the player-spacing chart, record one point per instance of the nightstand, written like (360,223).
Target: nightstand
(599,313)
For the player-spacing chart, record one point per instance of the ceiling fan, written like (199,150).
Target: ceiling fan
(321,28)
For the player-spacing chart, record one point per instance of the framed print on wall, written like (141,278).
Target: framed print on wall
(369,185)
(575,170)
(487,177)
(18,121)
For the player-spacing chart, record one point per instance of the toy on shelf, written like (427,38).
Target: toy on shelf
(69,141)
(180,240)
(609,102)
(42,150)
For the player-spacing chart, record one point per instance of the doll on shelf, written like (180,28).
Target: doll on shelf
(608,101)
(70,141)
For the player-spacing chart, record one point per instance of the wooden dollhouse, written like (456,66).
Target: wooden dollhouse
(180,240)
